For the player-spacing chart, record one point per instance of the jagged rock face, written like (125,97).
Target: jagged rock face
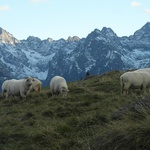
(143,34)
(7,38)
(74,38)
(99,52)
(5,73)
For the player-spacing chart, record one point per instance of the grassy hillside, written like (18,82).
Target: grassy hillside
(82,121)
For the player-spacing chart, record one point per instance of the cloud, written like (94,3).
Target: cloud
(135,4)
(147,11)
(38,1)
(4,8)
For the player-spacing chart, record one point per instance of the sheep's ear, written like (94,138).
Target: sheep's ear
(39,90)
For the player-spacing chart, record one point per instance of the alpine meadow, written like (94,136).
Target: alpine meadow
(93,116)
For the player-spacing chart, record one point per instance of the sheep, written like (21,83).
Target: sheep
(140,80)
(143,69)
(19,87)
(4,87)
(36,86)
(58,85)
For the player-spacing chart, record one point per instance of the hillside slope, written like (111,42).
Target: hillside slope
(82,121)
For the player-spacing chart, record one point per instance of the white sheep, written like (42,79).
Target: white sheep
(19,87)
(144,70)
(58,85)
(140,80)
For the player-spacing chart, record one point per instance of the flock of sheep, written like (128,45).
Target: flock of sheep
(23,87)
(139,79)
(132,79)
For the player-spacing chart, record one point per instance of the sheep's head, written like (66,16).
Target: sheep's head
(37,85)
(29,81)
(64,91)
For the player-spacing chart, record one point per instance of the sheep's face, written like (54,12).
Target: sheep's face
(64,91)
(29,81)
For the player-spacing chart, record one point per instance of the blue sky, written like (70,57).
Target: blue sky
(62,18)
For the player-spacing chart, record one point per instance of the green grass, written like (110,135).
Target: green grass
(82,121)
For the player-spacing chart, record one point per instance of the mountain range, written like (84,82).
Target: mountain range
(101,51)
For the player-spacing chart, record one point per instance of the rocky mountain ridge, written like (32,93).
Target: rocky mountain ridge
(101,51)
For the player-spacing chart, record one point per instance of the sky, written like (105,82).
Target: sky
(58,19)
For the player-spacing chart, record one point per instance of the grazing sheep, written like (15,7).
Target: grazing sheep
(58,85)
(144,70)
(140,80)
(19,87)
